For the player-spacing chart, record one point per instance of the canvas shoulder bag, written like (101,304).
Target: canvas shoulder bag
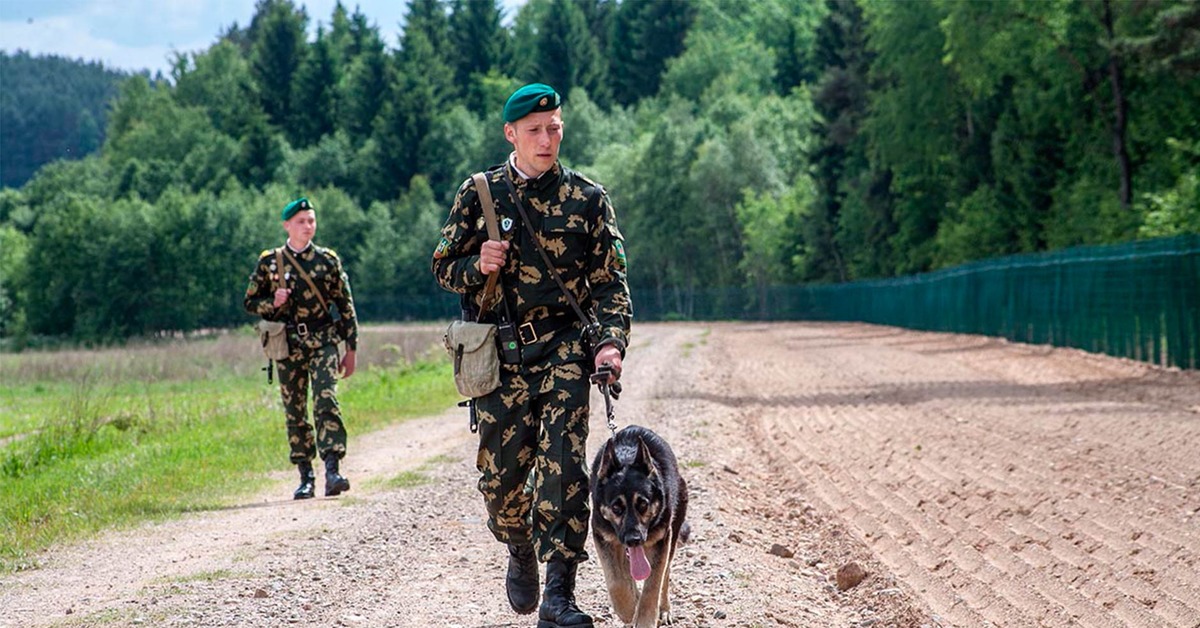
(471,344)
(273,334)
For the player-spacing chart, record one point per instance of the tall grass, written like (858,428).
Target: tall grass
(91,440)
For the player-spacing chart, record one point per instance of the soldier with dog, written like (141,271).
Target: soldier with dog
(533,428)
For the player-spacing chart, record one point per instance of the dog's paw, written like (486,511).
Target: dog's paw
(664,617)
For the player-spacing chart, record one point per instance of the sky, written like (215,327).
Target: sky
(139,35)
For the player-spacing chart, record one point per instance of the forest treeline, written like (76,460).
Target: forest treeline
(50,108)
(744,144)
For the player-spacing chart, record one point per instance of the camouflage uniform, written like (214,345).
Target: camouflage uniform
(537,420)
(314,361)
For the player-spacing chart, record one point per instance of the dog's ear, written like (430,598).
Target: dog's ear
(608,459)
(644,460)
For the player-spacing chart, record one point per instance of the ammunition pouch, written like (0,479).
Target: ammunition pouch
(473,348)
(273,335)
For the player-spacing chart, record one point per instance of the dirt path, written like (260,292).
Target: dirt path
(978,482)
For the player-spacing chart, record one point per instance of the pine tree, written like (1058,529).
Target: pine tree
(278,50)
(645,34)
(567,54)
(840,97)
(479,44)
(407,113)
(314,94)
(364,87)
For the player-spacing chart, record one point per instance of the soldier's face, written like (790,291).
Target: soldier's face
(301,228)
(535,138)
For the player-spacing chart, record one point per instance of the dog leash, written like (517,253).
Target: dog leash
(611,391)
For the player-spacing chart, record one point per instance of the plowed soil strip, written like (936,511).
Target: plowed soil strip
(1008,484)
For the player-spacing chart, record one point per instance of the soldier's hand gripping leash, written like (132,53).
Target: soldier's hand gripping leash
(610,391)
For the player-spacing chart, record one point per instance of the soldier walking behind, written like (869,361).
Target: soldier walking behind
(305,286)
(536,422)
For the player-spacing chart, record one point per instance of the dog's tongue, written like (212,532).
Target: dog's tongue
(639,567)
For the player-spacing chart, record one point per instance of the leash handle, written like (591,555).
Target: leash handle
(610,391)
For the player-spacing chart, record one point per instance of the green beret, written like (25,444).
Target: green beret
(295,206)
(533,97)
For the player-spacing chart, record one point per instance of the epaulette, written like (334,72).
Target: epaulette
(330,252)
(266,253)
(582,177)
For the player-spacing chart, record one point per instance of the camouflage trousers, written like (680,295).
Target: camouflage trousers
(532,459)
(316,369)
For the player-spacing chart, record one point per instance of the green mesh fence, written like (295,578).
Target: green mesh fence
(1139,300)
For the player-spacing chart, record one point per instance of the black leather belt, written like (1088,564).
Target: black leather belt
(305,328)
(529,332)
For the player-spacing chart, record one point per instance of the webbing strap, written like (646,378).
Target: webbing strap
(489,218)
(308,280)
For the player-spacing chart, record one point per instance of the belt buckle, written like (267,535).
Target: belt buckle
(532,333)
(302,329)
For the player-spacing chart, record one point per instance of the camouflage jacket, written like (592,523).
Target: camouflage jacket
(325,269)
(578,228)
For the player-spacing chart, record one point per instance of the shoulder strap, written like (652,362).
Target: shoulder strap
(489,217)
(537,242)
(278,281)
(308,280)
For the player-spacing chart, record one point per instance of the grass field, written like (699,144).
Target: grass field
(91,440)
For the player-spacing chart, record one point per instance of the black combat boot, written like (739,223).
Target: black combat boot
(522,581)
(308,481)
(558,608)
(335,484)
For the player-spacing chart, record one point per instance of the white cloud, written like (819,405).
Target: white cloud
(128,34)
(70,37)
(142,34)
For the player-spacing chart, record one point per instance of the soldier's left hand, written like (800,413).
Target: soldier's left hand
(348,363)
(611,355)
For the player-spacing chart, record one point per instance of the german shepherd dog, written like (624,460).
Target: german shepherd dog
(639,503)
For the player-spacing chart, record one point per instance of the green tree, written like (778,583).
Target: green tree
(479,44)
(364,86)
(911,136)
(328,163)
(589,129)
(50,108)
(219,80)
(766,222)
(314,93)
(344,35)
(278,51)
(14,247)
(452,151)
(645,34)
(260,154)
(716,64)
(567,55)
(407,115)
(840,100)
(152,140)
